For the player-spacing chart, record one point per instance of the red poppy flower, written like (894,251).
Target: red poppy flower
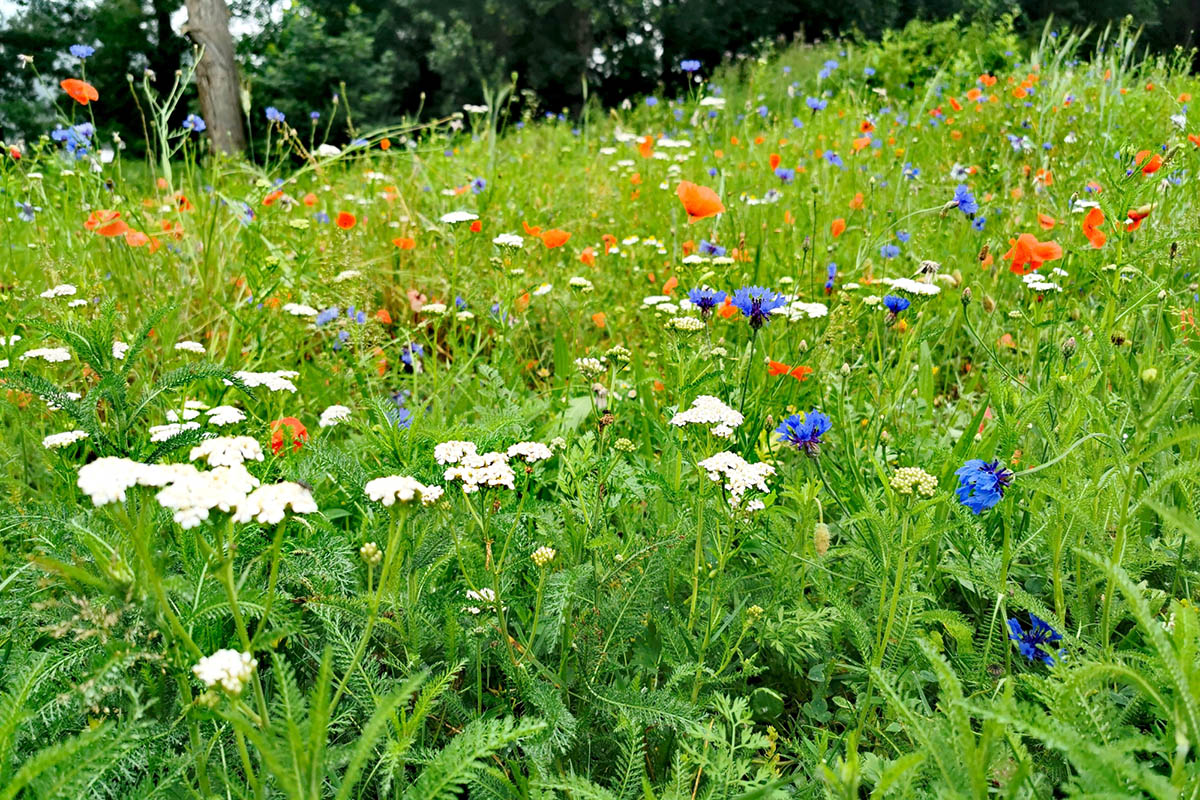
(1136,215)
(532,230)
(345,220)
(588,256)
(80,91)
(309,200)
(774,160)
(1046,221)
(271,197)
(646,146)
(1152,162)
(837,227)
(296,433)
(699,201)
(1091,228)
(1027,254)
(404,242)
(555,238)
(477,226)
(669,286)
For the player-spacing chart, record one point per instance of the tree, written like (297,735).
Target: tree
(216,74)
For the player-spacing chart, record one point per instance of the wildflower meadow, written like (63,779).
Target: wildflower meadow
(807,432)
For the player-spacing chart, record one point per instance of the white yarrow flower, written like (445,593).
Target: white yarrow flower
(227,451)
(57,441)
(333,415)
(268,504)
(228,669)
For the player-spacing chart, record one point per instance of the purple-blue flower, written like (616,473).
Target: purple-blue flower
(981,484)
(194,122)
(704,298)
(785,174)
(274,114)
(965,200)
(410,356)
(978,223)
(28,211)
(652,101)
(805,431)
(895,303)
(327,316)
(756,304)
(816,103)
(689,65)
(889,251)
(1031,641)
(478,185)
(709,249)
(82,51)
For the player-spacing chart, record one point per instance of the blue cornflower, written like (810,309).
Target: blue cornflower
(689,65)
(459,302)
(889,251)
(1032,641)
(816,103)
(903,236)
(709,249)
(314,115)
(965,200)
(756,304)
(712,171)
(911,172)
(321,217)
(358,316)
(835,159)
(247,215)
(82,51)
(76,139)
(327,316)
(895,303)
(274,114)
(978,223)
(194,122)
(797,122)
(805,431)
(868,71)
(342,336)
(652,101)
(704,298)
(28,211)
(785,174)
(831,271)
(410,356)
(762,111)
(981,484)
(478,185)
(399,417)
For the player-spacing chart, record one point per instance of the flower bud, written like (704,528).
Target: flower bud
(821,538)
(1068,348)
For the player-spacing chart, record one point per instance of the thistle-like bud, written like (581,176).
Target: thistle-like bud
(966,296)
(821,538)
(989,305)
(1068,348)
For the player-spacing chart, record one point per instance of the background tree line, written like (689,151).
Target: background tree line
(400,58)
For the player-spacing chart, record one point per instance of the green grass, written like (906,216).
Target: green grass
(847,638)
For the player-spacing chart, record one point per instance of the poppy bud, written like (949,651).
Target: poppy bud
(966,296)
(989,305)
(821,538)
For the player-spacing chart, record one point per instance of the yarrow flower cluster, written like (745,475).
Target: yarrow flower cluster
(482,470)
(227,451)
(485,595)
(401,488)
(228,669)
(269,504)
(278,381)
(529,452)
(738,475)
(543,555)
(333,415)
(981,484)
(906,480)
(709,410)
(57,441)
(191,496)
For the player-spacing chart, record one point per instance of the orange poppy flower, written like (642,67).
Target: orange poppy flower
(477,226)
(1091,228)
(1136,215)
(599,319)
(521,303)
(777,368)
(669,286)
(309,200)
(296,433)
(80,91)
(384,317)
(860,143)
(1044,177)
(136,239)
(610,242)
(728,310)
(646,146)
(1194,138)
(554,238)
(837,227)
(345,220)
(857,202)
(1027,254)
(271,197)
(404,242)
(801,373)
(385,144)
(588,256)
(1046,221)
(699,201)
(774,160)
(1152,164)
(100,217)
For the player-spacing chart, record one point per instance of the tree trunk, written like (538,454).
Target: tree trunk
(216,74)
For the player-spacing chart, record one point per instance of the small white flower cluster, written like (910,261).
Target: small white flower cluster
(485,596)
(191,496)
(911,286)
(589,366)
(224,415)
(119,349)
(907,479)
(49,354)
(160,433)
(333,415)
(189,346)
(1038,283)
(482,470)
(709,410)
(509,240)
(227,451)
(392,488)
(436,309)
(300,310)
(543,555)
(57,441)
(685,324)
(228,669)
(581,283)
(797,310)
(455,217)
(268,504)
(62,290)
(739,476)
(278,381)
(530,452)
(453,452)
